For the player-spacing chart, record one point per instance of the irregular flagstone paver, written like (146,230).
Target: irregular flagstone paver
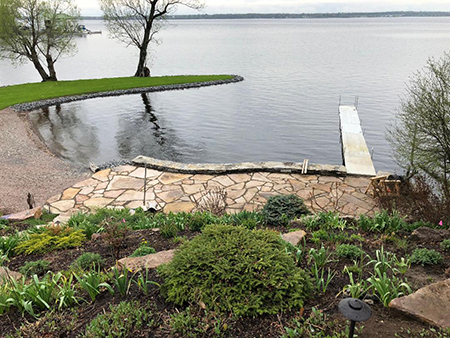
(131,195)
(146,262)
(86,190)
(170,196)
(102,175)
(124,169)
(430,304)
(192,189)
(169,178)
(86,183)
(113,193)
(140,173)
(97,202)
(63,206)
(70,193)
(224,180)
(125,182)
(179,207)
(124,187)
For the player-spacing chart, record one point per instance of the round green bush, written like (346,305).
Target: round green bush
(281,209)
(232,269)
(143,250)
(89,261)
(39,268)
(349,251)
(445,245)
(426,257)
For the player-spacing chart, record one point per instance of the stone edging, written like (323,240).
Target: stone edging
(221,169)
(65,99)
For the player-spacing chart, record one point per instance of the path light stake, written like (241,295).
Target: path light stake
(356,311)
(145,181)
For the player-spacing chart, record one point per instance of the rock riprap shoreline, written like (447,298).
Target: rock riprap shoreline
(29,106)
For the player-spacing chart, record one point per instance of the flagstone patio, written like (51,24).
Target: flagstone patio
(170,192)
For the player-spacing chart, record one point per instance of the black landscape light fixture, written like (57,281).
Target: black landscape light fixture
(356,311)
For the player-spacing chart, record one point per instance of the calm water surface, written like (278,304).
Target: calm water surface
(285,110)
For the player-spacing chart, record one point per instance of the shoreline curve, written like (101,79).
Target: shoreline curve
(29,106)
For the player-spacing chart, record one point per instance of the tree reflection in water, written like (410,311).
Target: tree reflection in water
(66,134)
(143,132)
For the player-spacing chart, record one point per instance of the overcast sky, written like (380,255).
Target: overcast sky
(90,7)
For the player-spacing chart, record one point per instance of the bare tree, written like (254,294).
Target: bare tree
(38,31)
(421,136)
(136,22)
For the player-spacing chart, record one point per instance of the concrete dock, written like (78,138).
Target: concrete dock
(356,155)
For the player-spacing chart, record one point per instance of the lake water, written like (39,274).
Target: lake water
(286,109)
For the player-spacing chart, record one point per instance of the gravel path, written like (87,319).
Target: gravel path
(27,166)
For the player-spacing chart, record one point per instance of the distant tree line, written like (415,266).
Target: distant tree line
(409,14)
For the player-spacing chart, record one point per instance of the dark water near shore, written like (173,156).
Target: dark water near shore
(285,110)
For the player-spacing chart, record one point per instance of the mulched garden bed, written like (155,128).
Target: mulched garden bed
(384,322)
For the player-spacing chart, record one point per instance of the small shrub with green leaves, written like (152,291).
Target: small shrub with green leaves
(280,210)
(445,245)
(383,222)
(356,238)
(89,260)
(232,269)
(318,325)
(426,257)
(143,250)
(248,219)
(121,321)
(323,235)
(116,232)
(185,324)
(8,244)
(39,268)
(169,230)
(350,251)
(51,239)
(198,221)
(138,220)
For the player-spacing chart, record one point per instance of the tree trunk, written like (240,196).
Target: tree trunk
(51,68)
(37,64)
(142,61)
(145,42)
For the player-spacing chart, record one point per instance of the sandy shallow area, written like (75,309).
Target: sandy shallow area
(26,165)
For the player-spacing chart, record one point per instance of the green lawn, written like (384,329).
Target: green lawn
(30,92)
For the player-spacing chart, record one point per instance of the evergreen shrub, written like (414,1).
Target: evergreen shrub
(50,239)
(39,268)
(232,269)
(281,209)
(89,260)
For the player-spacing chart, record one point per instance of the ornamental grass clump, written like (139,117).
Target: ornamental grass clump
(281,209)
(232,269)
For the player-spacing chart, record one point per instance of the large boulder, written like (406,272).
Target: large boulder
(430,304)
(424,234)
(294,237)
(5,274)
(146,262)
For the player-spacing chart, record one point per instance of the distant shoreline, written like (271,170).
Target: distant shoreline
(395,14)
